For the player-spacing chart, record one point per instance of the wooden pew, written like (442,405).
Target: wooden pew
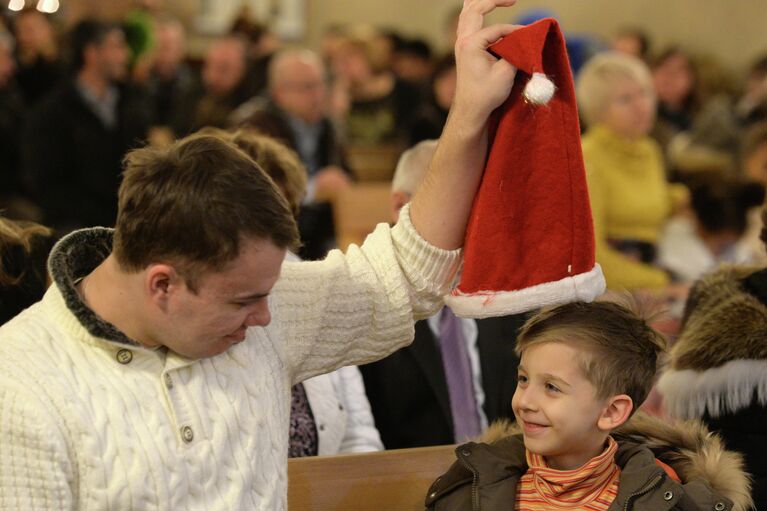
(373,163)
(357,210)
(383,481)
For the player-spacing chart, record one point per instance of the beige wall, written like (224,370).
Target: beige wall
(732,30)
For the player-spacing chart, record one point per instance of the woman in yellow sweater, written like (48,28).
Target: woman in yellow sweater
(630,197)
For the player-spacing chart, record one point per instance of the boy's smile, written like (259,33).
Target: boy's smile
(557,406)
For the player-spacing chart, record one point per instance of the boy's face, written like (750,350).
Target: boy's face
(557,407)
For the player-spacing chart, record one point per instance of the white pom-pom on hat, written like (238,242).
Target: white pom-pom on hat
(539,90)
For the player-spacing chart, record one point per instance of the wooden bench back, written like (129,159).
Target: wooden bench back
(357,210)
(394,480)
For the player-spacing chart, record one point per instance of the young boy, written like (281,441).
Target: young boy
(584,369)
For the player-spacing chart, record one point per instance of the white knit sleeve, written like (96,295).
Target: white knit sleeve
(360,306)
(35,472)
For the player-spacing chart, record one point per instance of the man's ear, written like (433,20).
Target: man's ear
(162,283)
(616,411)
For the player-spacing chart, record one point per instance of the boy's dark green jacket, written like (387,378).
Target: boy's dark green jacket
(485,476)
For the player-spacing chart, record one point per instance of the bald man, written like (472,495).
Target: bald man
(410,394)
(295,113)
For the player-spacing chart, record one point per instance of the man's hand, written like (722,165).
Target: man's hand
(329,182)
(442,205)
(484,81)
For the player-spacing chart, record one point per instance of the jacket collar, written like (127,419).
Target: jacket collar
(704,466)
(72,258)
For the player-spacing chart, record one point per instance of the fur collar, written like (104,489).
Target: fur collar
(722,323)
(72,258)
(719,363)
(687,446)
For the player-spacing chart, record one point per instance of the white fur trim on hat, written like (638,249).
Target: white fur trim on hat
(584,287)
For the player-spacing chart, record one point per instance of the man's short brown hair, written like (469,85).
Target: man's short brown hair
(193,203)
(620,351)
(279,161)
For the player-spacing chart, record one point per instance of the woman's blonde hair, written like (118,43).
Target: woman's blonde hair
(17,233)
(599,76)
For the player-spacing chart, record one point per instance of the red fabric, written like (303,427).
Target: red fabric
(531,220)
(669,471)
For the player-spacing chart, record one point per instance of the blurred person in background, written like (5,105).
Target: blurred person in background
(12,113)
(674,79)
(173,87)
(432,115)
(632,41)
(753,166)
(37,54)
(412,61)
(717,369)
(695,244)
(374,106)
(76,137)
(24,248)
(630,197)
(295,112)
(224,81)
(263,44)
(752,104)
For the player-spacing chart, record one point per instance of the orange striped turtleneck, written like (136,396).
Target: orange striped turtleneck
(591,487)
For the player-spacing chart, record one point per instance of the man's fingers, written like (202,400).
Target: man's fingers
(491,34)
(472,16)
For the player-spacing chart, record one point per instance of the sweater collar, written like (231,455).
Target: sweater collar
(72,258)
(628,146)
(579,486)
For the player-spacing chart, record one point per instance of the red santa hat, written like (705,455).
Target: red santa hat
(530,238)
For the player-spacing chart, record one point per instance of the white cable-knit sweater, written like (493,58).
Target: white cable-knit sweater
(87,423)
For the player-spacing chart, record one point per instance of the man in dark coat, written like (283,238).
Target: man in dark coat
(294,113)
(412,397)
(77,136)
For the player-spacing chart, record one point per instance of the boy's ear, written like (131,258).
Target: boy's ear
(616,412)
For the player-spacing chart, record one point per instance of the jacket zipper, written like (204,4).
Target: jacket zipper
(647,487)
(474,490)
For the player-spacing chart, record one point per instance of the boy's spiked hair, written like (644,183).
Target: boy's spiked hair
(620,351)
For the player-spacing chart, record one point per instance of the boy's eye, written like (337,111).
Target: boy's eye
(521,378)
(552,388)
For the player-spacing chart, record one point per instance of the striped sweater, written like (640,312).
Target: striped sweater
(592,487)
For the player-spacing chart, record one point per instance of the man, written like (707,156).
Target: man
(152,375)
(12,112)
(37,54)
(173,87)
(223,79)
(295,114)
(76,137)
(430,393)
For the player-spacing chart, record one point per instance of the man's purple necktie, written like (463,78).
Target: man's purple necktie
(455,359)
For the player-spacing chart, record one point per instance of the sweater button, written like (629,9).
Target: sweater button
(668,495)
(124,356)
(187,434)
(719,506)
(168,381)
